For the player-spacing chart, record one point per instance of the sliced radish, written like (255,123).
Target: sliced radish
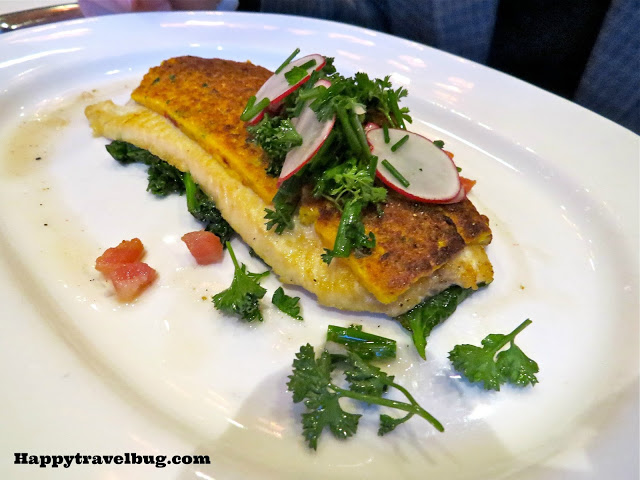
(277,86)
(370,126)
(313,133)
(432,175)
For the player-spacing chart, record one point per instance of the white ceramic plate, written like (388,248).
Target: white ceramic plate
(168,375)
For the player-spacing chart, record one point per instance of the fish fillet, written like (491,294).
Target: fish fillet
(421,249)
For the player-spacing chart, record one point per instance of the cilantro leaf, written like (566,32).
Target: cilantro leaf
(480,364)
(286,304)
(242,297)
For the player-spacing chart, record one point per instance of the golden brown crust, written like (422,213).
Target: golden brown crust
(413,240)
(205,98)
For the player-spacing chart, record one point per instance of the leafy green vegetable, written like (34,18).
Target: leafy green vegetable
(345,172)
(163,179)
(351,235)
(285,203)
(367,345)
(297,73)
(204,210)
(481,364)
(430,313)
(242,297)
(253,108)
(351,187)
(288,60)
(276,136)
(311,382)
(287,304)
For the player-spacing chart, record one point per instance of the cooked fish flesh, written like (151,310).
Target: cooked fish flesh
(186,111)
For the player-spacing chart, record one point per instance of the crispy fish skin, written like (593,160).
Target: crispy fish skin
(205,98)
(421,249)
(413,240)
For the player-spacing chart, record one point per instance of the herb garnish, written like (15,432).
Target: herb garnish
(312,383)
(430,313)
(164,179)
(343,171)
(242,297)
(286,304)
(481,364)
(396,174)
(367,345)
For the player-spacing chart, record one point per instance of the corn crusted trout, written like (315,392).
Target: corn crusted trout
(187,110)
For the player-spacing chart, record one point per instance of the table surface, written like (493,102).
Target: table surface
(7,6)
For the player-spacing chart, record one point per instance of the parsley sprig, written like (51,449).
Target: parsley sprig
(312,383)
(286,304)
(243,296)
(481,364)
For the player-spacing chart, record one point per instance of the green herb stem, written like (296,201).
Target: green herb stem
(385,133)
(233,255)
(360,135)
(511,336)
(366,345)
(349,133)
(288,60)
(396,174)
(386,402)
(252,108)
(395,110)
(190,190)
(399,143)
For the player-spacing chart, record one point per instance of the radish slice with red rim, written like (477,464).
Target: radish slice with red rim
(424,173)
(313,133)
(278,87)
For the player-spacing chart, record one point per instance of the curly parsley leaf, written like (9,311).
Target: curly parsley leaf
(242,297)
(481,364)
(204,210)
(276,136)
(389,423)
(286,304)
(311,382)
(162,178)
(366,378)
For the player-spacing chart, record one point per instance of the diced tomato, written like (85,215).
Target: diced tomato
(128,251)
(467,184)
(131,279)
(205,246)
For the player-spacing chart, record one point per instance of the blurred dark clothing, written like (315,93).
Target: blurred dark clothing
(585,50)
